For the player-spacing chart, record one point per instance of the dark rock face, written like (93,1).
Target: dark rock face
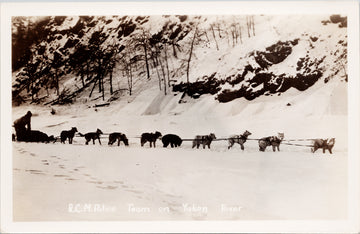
(260,81)
(337,19)
(274,54)
(209,85)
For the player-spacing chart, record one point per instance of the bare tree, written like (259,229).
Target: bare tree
(240,34)
(110,63)
(130,78)
(213,33)
(158,52)
(207,38)
(155,62)
(253,25)
(344,69)
(167,64)
(143,41)
(126,68)
(218,28)
(233,34)
(248,25)
(190,54)
(164,77)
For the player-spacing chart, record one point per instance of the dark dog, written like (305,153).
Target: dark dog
(92,136)
(118,136)
(173,140)
(149,137)
(204,140)
(240,139)
(274,141)
(324,144)
(68,135)
(37,136)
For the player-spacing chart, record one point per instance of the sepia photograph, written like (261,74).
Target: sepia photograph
(162,117)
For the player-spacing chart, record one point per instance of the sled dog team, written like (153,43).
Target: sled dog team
(24,133)
(204,140)
(172,139)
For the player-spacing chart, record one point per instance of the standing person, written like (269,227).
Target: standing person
(23,126)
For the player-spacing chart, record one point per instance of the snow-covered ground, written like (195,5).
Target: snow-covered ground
(93,182)
(78,182)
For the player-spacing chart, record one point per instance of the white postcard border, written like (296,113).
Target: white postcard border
(349,8)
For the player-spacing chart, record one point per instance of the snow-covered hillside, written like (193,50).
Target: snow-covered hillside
(229,57)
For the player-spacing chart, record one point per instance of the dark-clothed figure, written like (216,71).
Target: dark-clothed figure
(23,126)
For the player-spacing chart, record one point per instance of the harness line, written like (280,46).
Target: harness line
(104,135)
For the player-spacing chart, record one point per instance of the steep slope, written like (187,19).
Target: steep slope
(228,61)
(298,59)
